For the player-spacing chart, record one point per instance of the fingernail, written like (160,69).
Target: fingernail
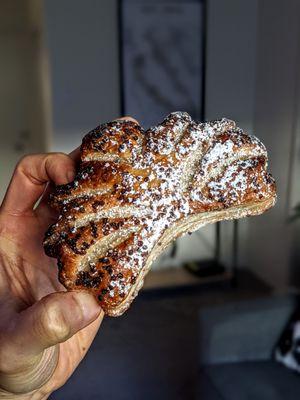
(88,304)
(127,118)
(70,175)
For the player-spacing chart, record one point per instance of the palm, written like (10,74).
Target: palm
(34,277)
(25,234)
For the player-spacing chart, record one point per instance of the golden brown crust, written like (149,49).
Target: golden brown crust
(135,189)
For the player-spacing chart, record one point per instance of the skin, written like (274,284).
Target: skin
(45,331)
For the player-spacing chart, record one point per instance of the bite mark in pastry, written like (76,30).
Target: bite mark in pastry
(136,191)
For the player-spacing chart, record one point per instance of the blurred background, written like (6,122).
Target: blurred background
(215,306)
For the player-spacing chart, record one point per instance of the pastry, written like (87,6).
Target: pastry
(136,191)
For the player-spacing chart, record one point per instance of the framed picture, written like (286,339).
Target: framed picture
(162,58)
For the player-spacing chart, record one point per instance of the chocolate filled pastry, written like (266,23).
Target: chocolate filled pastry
(136,191)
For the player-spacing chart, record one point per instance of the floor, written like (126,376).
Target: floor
(151,351)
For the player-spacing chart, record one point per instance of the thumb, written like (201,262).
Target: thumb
(56,318)
(24,363)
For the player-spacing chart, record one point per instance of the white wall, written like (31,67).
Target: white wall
(23,119)
(252,77)
(82,39)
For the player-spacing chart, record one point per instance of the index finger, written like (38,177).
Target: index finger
(30,178)
(75,157)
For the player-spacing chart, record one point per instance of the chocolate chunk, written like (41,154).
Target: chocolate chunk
(103,260)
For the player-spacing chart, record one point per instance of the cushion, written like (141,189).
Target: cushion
(260,380)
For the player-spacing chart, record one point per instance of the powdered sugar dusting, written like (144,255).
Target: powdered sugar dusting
(163,175)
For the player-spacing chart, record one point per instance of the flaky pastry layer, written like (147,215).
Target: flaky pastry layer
(136,191)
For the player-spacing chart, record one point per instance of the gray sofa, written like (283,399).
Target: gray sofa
(236,345)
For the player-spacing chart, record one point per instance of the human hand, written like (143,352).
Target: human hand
(44,330)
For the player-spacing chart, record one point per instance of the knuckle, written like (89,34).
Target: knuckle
(54,161)
(61,154)
(25,160)
(55,155)
(54,323)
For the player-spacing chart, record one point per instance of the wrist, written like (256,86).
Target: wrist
(27,384)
